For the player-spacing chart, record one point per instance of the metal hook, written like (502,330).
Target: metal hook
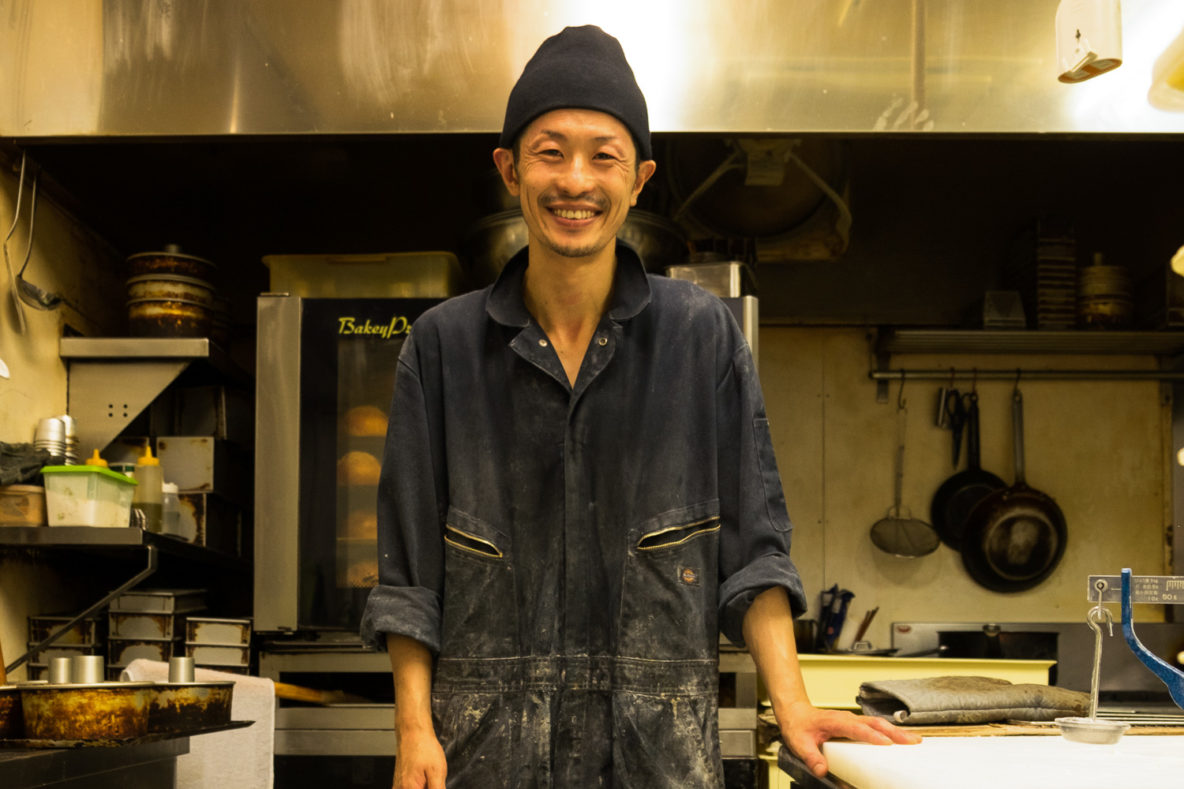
(1096,616)
(900,401)
(1016,387)
(1094,619)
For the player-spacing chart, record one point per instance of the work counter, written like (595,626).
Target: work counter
(1020,755)
(146,765)
(1016,762)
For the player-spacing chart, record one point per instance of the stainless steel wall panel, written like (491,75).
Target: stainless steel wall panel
(277,473)
(145,67)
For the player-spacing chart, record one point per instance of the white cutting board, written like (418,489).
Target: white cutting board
(1042,762)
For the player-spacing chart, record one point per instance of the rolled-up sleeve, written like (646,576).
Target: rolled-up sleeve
(407,600)
(756,530)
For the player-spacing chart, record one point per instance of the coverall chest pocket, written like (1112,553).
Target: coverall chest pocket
(669,587)
(480,616)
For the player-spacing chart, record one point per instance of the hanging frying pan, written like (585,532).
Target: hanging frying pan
(957,496)
(1015,536)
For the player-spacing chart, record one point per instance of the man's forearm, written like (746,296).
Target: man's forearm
(411,666)
(768,631)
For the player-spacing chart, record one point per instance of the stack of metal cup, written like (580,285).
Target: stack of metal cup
(56,435)
(51,436)
(71,433)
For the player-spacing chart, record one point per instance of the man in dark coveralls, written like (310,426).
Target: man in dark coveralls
(579,492)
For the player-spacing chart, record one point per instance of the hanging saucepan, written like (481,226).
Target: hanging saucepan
(1015,536)
(957,496)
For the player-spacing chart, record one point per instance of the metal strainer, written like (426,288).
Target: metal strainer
(898,533)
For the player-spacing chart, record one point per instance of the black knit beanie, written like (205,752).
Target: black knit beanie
(578,68)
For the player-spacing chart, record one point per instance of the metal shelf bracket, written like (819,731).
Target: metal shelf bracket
(152,564)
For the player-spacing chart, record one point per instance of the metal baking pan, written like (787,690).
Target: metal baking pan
(28,744)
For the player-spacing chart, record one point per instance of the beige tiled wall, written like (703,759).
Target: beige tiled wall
(1097,447)
(68,260)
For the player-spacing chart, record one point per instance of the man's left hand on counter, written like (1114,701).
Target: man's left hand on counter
(804,728)
(768,631)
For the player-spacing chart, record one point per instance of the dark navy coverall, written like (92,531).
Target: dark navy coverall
(570,555)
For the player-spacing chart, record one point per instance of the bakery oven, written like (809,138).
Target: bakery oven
(324,377)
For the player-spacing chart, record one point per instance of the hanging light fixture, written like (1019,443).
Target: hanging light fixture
(1089,38)
(1167,78)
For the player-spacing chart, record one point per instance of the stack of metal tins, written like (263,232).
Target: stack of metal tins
(221,644)
(84,638)
(149,624)
(57,436)
(170,294)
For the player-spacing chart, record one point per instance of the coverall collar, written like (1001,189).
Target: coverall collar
(631,290)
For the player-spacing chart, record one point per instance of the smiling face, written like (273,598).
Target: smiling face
(576,176)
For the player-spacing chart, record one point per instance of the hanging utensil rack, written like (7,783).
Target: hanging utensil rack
(886,343)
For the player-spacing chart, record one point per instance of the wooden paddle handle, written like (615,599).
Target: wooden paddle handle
(315,696)
(298,693)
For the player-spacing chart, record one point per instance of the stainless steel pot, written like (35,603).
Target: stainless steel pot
(493,240)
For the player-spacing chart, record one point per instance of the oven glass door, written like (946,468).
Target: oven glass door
(349,351)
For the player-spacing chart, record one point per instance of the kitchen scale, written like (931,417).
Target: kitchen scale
(1126,589)
(1156,589)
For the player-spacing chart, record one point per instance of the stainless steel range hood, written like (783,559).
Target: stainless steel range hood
(76,68)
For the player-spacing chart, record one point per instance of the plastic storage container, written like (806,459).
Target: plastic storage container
(383,275)
(87,496)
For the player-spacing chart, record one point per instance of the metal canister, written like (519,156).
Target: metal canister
(69,439)
(86,669)
(60,670)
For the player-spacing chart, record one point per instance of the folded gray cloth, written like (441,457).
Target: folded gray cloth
(945,700)
(21,463)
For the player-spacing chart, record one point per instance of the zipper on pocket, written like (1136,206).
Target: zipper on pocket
(676,535)
(471,543)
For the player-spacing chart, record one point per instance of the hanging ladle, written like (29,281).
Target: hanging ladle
(898,533)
